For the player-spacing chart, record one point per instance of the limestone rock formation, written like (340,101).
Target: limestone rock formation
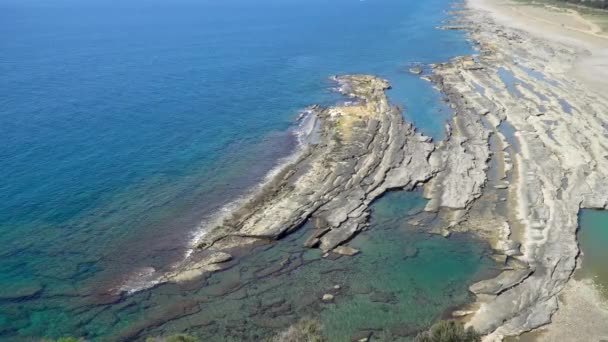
(364,149)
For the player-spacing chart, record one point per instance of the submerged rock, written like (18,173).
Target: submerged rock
(20,291)
(345,250)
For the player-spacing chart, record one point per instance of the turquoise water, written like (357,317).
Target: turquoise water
(123,125)
(403,280)
(593,239)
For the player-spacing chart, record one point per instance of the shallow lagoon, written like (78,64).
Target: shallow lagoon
(593,239)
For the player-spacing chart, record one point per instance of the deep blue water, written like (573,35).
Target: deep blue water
(122,124)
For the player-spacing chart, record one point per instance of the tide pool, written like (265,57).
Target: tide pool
(124,125)
(593,239)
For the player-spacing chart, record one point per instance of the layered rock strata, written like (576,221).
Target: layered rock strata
(555,163)
(361,150)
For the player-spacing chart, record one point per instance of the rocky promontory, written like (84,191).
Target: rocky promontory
(360,150)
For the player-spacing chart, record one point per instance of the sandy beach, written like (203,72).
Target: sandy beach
(561,26)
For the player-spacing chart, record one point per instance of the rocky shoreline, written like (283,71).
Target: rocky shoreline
(553,165)
(352,154)
(525,151)
(364,149)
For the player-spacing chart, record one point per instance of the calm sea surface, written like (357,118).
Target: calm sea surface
(593,239)
(124,124)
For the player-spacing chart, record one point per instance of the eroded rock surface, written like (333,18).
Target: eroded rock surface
(554,163)
(364,149)
(352,154)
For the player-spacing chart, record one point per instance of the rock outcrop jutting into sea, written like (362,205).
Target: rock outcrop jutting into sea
(525,151)
(353,154)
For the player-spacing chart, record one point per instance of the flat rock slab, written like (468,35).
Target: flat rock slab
(502,282)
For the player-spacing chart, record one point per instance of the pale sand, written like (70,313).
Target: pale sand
(560,25)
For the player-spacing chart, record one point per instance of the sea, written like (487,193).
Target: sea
(125,125)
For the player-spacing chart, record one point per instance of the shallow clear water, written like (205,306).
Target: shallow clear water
(566,107)
(537,75)
(403,280)
(593,239)
(123,125)
(508,78)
